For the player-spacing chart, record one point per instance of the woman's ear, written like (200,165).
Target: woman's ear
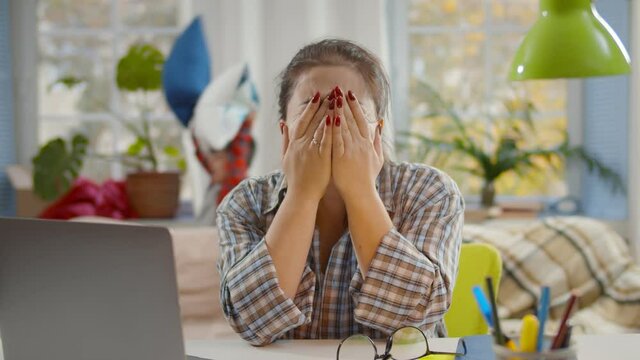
(284,130)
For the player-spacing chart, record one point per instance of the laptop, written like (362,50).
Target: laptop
(72,290)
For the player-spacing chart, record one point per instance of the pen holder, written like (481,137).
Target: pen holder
(504,353)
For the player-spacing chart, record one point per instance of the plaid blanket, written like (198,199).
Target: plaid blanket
(567,254)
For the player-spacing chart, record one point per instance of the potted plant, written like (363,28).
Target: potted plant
(491,153)
(57,165)
(152,193)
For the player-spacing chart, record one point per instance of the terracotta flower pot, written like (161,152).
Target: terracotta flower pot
(154,194)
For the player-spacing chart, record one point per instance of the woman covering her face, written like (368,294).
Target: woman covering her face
(341,240)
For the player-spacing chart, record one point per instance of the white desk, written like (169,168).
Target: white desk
(601,347)
(286,349)
(590,347)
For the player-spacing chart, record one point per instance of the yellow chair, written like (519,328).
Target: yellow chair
(477,261)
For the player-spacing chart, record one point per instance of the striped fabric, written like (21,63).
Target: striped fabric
(409,281)
(568,254)
(239,154)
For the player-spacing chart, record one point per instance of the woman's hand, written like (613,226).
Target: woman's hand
(306,150)
(357,158)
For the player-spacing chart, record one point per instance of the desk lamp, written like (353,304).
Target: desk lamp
(569,39)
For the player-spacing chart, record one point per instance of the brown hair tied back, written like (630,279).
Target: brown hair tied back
(337,52)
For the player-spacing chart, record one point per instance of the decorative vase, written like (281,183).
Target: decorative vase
(488,195)
(154,194)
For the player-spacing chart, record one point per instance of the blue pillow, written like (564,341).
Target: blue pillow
(186,72)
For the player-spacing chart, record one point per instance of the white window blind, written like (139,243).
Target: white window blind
(606,124)
(7,148)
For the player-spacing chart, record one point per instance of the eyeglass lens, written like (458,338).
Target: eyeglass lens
(357,347)
(408,343)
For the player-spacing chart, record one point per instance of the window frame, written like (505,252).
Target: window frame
(399,32)
(115,31)
(633,217)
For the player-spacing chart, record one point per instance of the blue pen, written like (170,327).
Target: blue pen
(543,311)
(487,311)
(483,304)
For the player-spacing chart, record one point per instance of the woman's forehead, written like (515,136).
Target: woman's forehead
(325,78)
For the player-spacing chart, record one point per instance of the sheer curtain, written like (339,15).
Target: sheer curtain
(266,34)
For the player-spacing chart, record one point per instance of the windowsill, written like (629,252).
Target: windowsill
(184,218)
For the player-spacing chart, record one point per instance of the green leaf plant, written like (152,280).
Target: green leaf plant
(57,164)
(140,70)
(497,149)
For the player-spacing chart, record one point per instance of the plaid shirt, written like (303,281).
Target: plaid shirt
(409,281)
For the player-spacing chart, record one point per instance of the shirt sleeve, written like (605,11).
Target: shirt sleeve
(410,278)
(252,301)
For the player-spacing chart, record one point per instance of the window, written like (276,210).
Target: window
(84,39)
(463,50)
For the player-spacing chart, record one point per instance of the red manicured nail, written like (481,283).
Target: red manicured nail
(328,122)
(337,120)
(316,97)
(338,91)
(331,96)
(332,104)
(339,101)
(350,95)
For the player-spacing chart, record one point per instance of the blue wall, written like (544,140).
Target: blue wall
(7,146)
(606,123)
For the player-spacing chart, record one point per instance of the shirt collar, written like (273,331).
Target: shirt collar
(276,196)
(384,186)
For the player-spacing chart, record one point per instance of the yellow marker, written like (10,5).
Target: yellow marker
(512,345)
(529,333)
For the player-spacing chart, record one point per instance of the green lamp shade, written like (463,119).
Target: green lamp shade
(569,40)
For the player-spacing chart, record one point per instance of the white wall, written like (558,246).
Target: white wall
(268,33)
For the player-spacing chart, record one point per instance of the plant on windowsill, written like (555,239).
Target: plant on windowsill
(57,165)
(490,153)
(152,192)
